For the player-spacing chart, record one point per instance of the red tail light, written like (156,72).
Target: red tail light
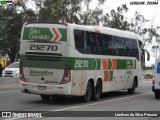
(153,79)
(66,76)
(22,78)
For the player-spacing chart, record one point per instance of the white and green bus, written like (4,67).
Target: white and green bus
(78,60)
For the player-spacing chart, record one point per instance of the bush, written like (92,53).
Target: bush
(148,76)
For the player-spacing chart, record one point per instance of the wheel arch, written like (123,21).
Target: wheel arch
(100,79)
(135,79)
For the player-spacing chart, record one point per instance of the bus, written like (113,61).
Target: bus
(59,59)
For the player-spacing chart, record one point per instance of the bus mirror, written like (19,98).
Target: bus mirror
(148,55)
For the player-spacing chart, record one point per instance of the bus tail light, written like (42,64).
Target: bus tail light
(22,78)
(153,84)
(66,76)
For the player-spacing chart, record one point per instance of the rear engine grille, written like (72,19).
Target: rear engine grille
(43,56)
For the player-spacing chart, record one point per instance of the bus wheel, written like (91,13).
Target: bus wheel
(132,90)
(97,91)
(157,95)
(88,95)
(45,97)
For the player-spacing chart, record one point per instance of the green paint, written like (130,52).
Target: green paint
(64,34)
(121,64)
(109,64)
(98,63)
(33,33)
(111,75)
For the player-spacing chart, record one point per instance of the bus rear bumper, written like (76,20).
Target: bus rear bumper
(44,89)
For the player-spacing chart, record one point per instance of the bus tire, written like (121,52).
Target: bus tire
(97,91)
(157,95)
(45,97)
(132,90)
(88,94)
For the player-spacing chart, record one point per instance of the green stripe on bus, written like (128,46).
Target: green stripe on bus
(41,63)
(82,63)
(75,63)
(98,63)
(121,64)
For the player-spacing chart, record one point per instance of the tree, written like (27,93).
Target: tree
(58,10)
(116,18)
(10,32)
(69,11)
(12,20)
(94,17)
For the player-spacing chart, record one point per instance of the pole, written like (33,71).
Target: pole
(156,53)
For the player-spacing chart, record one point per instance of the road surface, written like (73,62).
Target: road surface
(142,100)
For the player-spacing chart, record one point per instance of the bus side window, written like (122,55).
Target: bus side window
(108,45)
(90,43)
(79,40)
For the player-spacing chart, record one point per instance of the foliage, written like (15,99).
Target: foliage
(116,18)
(58,10)
(10,32)
(148,76)
(10,29)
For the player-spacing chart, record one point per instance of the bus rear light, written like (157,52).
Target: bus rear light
(153,80)
(66,76)
(22,78)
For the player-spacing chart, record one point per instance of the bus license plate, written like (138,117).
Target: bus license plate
(41,87)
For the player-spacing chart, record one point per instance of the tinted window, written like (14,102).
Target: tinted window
(79,40)
(101,44)
(119,46)
(134,49)
(105,44)
(131,48)
(90,43)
